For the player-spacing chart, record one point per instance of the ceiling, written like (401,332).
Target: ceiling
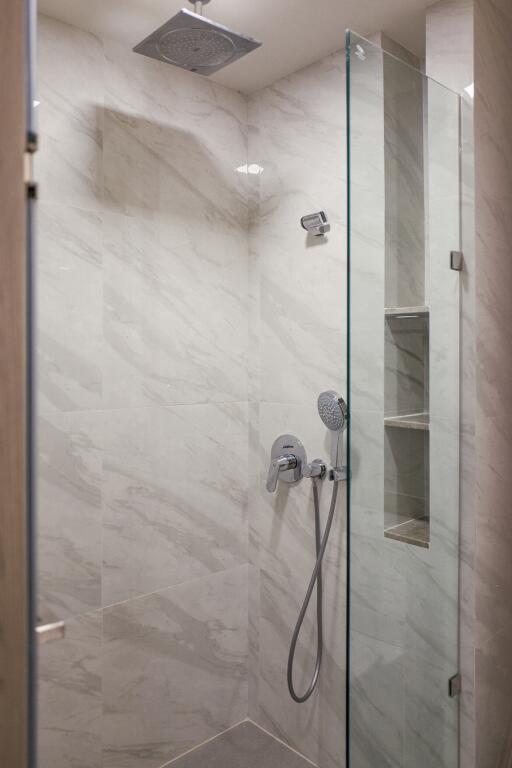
(294,33)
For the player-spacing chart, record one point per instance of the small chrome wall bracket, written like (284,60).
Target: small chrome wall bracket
(454,686)
(456,260)
(339,475)
(316,223)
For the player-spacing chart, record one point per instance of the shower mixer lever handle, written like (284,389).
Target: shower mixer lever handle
(277,465)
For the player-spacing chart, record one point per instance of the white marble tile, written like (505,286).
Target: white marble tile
(71,92)
(432,610)
(69,307)
(377,703)
(253,660)
(367,230)
(69,492)
(174,669)
(69,697)
(175,496)
(175,322)
(302,346)
(315,728)
(367,458)
(301,124)
(449,51)
(298,138)
(407,365)
(378,595)
(173,141)
(449,59)
(431,718)
(493,706)
(406,454)
(493,572)
(183,107)
(404,183)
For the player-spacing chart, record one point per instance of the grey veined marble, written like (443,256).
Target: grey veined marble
(70,460)
(174,669)
(69,697)
(174,508)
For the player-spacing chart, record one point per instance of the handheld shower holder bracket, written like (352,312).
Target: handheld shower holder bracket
(339,474)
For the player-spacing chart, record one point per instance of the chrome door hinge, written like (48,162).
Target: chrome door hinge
(456,260)
(28,175)
(454,685)
(32,142)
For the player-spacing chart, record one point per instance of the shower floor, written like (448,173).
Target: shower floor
(244,746)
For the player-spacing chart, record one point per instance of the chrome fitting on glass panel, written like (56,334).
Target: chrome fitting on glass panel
(338,474)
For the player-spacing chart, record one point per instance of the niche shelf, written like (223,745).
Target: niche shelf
(415,531)
(408,421)
(403,313)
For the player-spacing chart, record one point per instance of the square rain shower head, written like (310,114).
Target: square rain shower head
(193,42)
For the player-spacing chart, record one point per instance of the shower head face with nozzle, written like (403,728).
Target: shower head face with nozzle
(332,410)
(192,42)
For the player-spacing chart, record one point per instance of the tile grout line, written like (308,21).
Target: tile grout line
(195,580)
(231,728)
(280,741)
(203,743)
(144,595)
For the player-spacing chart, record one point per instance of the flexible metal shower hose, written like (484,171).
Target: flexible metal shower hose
(316,577)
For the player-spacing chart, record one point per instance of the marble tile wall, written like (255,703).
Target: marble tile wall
(143,414)
(449,59)
(403,136)
(493,370)
(171,350)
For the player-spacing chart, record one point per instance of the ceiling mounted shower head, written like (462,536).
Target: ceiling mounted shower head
(333,412)
(192,42)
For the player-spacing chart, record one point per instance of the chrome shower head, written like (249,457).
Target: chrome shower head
(333,412)
(192,42)
(332,409)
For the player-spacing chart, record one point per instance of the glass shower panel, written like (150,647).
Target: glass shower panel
(404,309)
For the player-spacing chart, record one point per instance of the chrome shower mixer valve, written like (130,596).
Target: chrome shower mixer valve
(288,462)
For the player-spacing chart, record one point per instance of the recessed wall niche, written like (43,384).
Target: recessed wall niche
(406,348)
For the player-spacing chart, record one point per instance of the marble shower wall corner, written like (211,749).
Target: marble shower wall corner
(142,280)
(297,136)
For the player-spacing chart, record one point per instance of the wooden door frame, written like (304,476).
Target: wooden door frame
(15,643)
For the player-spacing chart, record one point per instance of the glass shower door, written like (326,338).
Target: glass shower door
(403,360)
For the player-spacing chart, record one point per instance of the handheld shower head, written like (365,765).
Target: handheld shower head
(333,412)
